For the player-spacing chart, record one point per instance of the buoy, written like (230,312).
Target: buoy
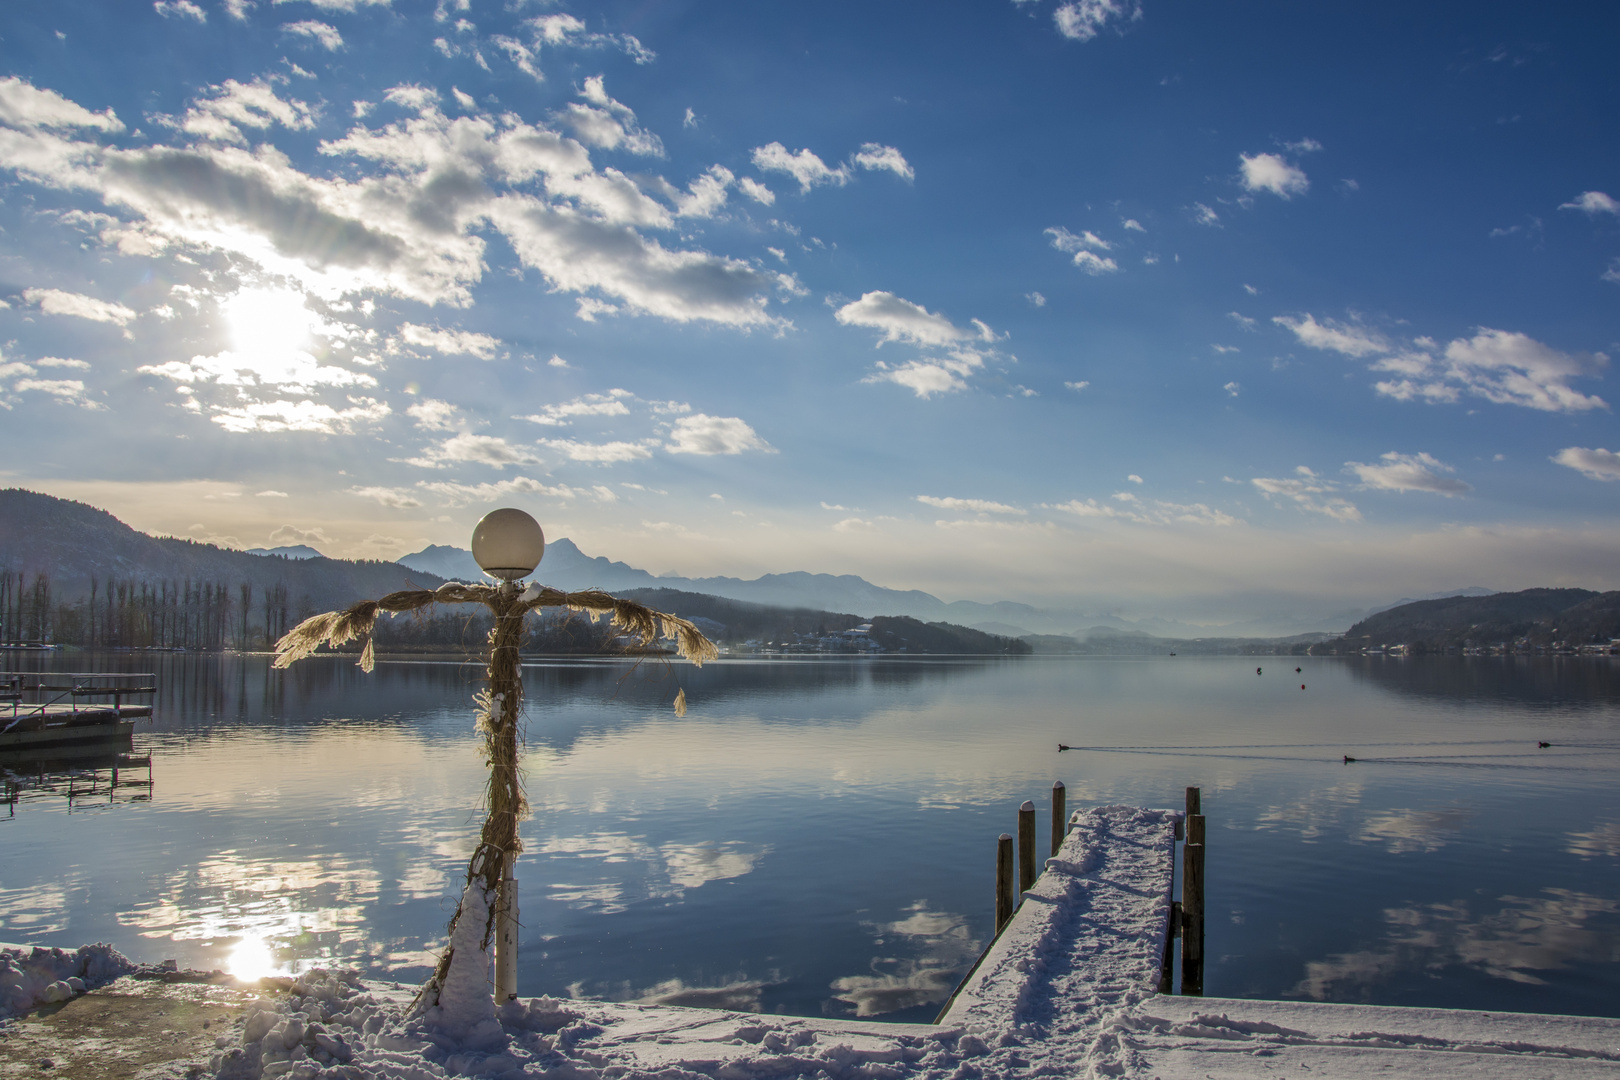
(1302,686)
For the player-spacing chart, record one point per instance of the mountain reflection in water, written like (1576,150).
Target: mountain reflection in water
(817,836)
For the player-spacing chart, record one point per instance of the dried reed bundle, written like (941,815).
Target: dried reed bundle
(499,704)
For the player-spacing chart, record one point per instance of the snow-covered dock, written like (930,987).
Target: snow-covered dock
(1068,989)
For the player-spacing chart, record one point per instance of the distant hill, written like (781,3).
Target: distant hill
(566,567)
(294,551)
(168,585)
(1535,617)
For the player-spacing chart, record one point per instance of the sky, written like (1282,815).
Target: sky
(1200,310)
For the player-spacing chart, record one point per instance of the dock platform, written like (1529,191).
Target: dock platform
(51,710)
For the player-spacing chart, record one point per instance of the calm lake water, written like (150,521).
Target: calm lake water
(818,836)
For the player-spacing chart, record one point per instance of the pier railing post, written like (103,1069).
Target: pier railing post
(1060,816)
(1005,901)
(1192,906)
(1026,846)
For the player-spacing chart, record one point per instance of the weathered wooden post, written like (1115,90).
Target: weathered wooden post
(1026,847)
(1192,898)
(1005,901)
(1060,815)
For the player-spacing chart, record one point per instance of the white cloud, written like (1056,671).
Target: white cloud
(339,5)
(1205,216)
(609,404)
(1269,172)
(24,106)
(235,105)
(393,498)
(1514,369)
(756,191)
(456,494)
(854,524)
(179,9)
(62,362)
(1232,389)
(804,166)
(1304,146)
(324,33)
(1243,320)
(450,342)
(1035,299)
(707,435)
(898,319)
(1132,225)
(1311,493)
(1084,246)
(305,416)
(1592,202)
(607,453)
(270,493)
(1081,385)
(925,378)
(706,195)
(1409,472)
(431,414)
(977,506)
(1153,512)
(877,156)
(1338,337)
(1598,464)
(608,124)
(474,449)
(57,302)
(411,227)
(1224,349)
(1080,20)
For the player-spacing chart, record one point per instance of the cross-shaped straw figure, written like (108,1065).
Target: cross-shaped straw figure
(508,544)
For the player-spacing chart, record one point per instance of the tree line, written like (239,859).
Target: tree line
(129,613)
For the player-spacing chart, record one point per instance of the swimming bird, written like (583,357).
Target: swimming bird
(1257,671)
(1544,745)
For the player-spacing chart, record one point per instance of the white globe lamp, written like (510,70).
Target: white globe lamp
(508,544)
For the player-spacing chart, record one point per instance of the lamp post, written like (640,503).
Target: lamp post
(508,544)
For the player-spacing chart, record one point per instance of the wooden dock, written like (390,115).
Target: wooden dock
(54,710)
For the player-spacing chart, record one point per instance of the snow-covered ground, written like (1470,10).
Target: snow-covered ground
(1068,989)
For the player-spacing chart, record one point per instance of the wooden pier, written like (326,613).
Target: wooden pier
(52,711)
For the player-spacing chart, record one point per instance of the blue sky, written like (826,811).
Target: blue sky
(1205,310)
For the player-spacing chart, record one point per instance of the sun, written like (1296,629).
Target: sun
(252,959)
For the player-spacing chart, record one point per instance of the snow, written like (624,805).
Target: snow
(1067,989)
(32,976)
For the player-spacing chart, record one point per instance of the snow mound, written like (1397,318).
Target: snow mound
(34,977)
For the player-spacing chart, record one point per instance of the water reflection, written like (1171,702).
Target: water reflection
(935,950)
(767,851)
(1522,942)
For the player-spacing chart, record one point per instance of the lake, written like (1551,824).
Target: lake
(817,836)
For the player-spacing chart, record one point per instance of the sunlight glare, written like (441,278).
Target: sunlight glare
(270,332)
(251,959)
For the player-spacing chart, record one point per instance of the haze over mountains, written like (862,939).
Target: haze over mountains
(72,541)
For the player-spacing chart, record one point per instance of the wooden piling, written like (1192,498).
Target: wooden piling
(1005,901)
(1192,907)
(1195,800)
(1060,816)
(1167,962)
(1026,847)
